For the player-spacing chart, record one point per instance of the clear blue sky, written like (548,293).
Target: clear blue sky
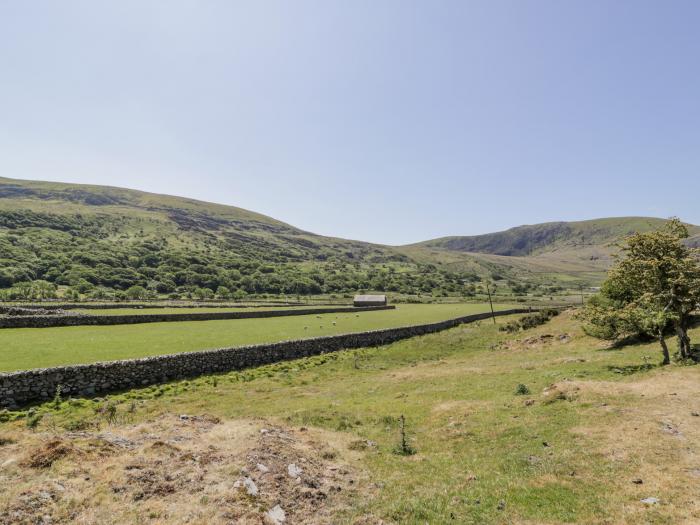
(387,121)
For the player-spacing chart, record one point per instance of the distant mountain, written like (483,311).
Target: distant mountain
(547,237)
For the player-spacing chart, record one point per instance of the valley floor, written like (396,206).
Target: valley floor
(545,426)
(24,348)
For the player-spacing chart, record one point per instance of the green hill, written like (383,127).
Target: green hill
(94,238)
(97,239)
(571,253)
(551,236)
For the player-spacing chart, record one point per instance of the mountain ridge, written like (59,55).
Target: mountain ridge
(529,239)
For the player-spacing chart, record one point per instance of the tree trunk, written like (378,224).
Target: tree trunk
(664,349)
(686,338)
(683,341)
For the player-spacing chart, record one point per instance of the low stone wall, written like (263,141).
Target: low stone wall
(50,321)
(19,311)
(18,388)
(145,306)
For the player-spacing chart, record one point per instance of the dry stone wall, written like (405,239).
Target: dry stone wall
(144,306)
(19,388)
(51,321)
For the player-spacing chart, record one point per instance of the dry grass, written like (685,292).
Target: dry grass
(178,470)
(647,426)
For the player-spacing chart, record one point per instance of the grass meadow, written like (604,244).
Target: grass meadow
(23,348)
(544,426)
(194,310)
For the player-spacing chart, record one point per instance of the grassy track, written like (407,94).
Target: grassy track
(23,348)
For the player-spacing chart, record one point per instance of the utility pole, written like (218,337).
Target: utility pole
(493,315)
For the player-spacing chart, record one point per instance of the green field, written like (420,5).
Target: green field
(198,310)
(599,430)
(24,348)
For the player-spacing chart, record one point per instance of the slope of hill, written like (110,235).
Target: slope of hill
(552,236)
(96,238)
(566,252)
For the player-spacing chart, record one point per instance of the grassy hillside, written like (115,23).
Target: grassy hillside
(95,240)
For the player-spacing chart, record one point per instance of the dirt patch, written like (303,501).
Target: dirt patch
(182,469)
(562,391)
(462,406)
(646,427)
(431,371)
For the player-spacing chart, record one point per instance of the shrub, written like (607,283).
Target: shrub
(530,321)
(522,390)
(33,420)
(403,448)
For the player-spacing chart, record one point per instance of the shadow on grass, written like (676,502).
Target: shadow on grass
(694,356)
(627,341)
(628,370)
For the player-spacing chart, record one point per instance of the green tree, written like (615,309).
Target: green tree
(239,295)
(654,285)
(222,292)
(136,292)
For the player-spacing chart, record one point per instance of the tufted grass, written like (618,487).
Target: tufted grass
(24,348)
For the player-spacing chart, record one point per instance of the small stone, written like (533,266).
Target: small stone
(695,414)
(638,481)
(650,501)
(293,470)
(501,505)
(275,516)
(250,487)
(262,468)
(248,484)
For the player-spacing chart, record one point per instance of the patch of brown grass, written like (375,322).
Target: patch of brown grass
(645,427)
(183,469)
(48,453)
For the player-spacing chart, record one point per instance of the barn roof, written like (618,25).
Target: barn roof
(370,298)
